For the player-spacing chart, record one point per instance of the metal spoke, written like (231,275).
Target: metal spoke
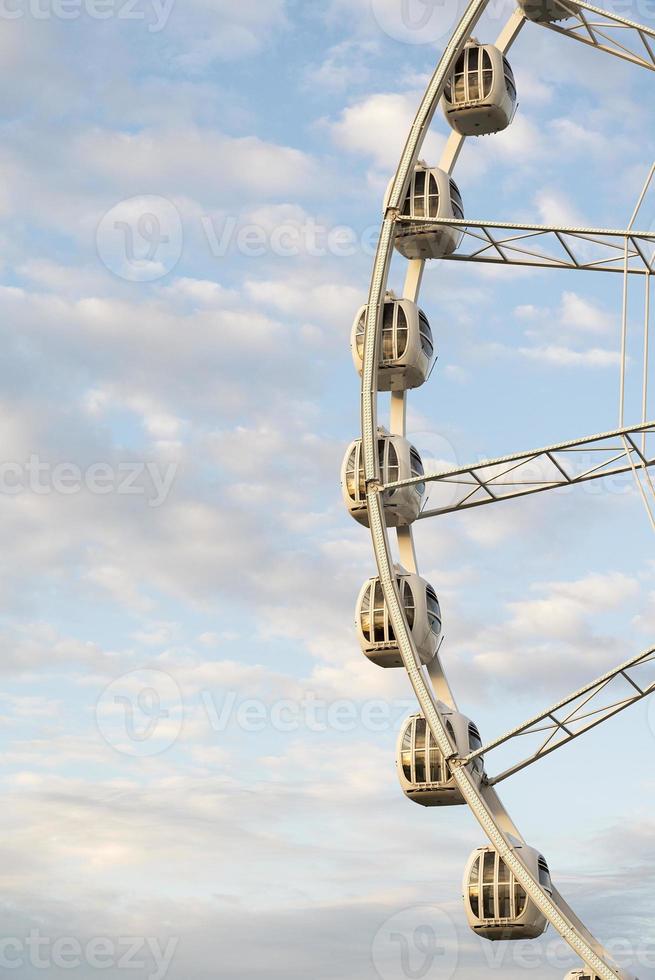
(577,702)
(504,250)
(494,476)
(597,34)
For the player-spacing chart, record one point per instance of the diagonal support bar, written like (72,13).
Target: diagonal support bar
(548,246)
(538,470)
(607,32)
(585,714)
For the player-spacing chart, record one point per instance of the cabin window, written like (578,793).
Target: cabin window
(474,889)
(456,199)
(407,754)
(520,900)
(402,331)
(544,875)
(473,77)
(355,483)
(487,75)
(434,610)
(388,332)
(393,471)
(381,628)
(437,774)
(496,892)
(509,79)
(473,73)
(426,335)
(504,892)
(408,602)
(359,337)
(419,194)
(427,758)
(433,201)
(365,614)
(488,886)
(475,742)
(389,465)
(395,333)
(417,469)
(419,751)
(460,79)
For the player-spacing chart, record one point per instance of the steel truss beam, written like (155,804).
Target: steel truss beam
(551,468)
(576,714)
(608,32)
(549,246)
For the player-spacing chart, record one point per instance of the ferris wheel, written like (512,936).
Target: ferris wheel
(509,893)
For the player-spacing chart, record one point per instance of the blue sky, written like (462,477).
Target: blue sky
(255,833)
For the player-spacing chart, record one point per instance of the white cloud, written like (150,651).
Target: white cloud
(558,356)
(377,127)
(556,208)
(345,65)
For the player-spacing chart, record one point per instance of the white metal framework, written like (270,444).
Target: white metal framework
(565,464)
(549,246)
(519,881)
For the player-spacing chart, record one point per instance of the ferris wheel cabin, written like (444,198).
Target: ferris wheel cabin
(432,193)
(480,95)
(497,907)
(399,460)
(407,352)
(423,772)
(422,610)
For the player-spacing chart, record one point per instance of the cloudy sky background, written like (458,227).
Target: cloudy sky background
(271,849)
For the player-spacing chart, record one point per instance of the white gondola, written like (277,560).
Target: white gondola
(432,193)
(497,907)
(399,460)
(480,95)
(421,605)
(422,769)
(548,11)
(407,350)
